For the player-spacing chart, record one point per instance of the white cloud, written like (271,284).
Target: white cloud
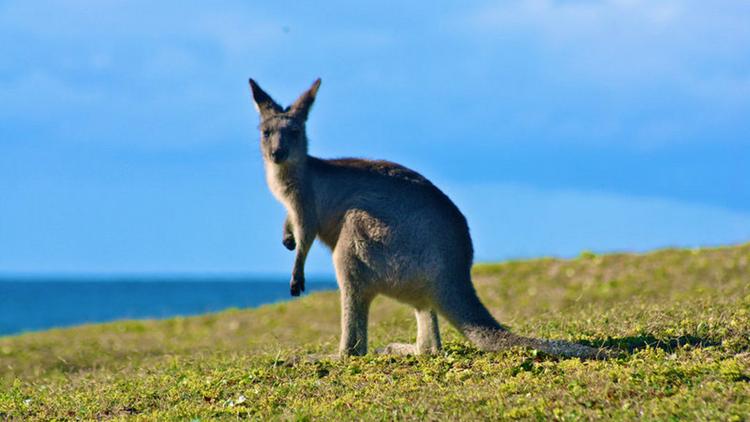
(633,39)
(620,71)
(650,73)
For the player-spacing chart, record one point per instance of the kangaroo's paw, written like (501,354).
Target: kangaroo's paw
(400,349)
(297,285)
(288,241)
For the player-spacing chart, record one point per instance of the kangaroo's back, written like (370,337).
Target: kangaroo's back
(414,211)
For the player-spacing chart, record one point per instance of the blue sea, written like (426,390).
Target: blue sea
(31,304)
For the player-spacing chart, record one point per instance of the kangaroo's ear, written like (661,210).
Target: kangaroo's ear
(302,106)
(263,102)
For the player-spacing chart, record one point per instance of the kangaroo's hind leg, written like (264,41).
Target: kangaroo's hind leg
(428,332)
(354,315)
(428,337)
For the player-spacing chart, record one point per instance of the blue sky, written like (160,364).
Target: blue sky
(128,140)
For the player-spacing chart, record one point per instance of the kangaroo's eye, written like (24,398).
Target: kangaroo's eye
(266,133)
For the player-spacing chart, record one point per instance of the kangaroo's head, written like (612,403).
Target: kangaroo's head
(282,130)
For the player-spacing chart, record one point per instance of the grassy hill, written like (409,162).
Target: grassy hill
(682,317)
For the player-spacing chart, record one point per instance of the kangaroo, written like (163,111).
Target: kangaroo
(391,232)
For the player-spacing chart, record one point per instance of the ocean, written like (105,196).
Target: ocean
(32,304)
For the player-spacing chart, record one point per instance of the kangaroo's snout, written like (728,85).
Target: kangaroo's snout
(279,155)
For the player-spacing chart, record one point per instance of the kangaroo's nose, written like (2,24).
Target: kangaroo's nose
(279,155)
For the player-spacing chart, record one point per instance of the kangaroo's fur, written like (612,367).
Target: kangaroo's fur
(391,231)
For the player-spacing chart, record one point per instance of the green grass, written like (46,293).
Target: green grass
(682,317)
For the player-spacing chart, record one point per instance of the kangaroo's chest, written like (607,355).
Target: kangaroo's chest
(285,187)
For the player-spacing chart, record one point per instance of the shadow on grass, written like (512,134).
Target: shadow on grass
(632,344)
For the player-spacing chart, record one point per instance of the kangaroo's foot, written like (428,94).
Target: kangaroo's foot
(573,350)
(400,349)
(348,352)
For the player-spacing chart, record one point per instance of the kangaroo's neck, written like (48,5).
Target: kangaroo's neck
(289,182)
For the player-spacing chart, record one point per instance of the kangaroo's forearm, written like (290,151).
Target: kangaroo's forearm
(304,226)
(304,238)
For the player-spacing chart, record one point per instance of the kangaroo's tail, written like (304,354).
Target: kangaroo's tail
(467,313)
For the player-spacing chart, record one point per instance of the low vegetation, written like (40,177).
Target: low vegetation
(680,317)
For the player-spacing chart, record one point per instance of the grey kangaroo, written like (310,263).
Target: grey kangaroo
(391,232)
